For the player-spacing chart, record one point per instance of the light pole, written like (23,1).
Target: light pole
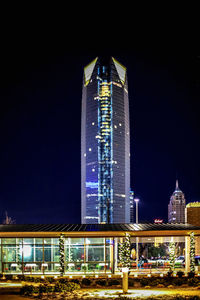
(136,216)
(136,209)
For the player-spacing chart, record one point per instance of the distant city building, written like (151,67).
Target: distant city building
(105,144)
(192,216)
(192,213)
(132,207)
(176,207)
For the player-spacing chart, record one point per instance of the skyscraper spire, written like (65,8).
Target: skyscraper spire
(177,184)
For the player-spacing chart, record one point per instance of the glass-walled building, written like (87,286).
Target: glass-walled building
(93,249)
(41,255)
(105,144)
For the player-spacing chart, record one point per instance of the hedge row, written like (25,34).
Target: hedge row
(143,281)
(58,287)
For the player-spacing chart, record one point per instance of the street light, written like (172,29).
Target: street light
(136,215)
(136,208)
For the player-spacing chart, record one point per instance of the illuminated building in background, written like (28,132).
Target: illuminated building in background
(192,213)
(105,144)
(192,216)
(131,207)
(176,207)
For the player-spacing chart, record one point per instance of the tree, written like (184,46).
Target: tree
(192,252)
(125,259)
(172,247)
(125,252)
(62,254)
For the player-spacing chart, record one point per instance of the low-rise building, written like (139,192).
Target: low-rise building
(92,248)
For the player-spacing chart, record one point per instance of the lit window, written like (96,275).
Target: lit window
(90,149)
(93,123)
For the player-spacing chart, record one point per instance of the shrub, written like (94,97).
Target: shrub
(43,288)
(170,286)
(71,286)
(180,274)
(131,282)
(114,281)
(58,286)
(21,277)
(193,281)
(75,281)
(154,282)
(37,279)
(169,273)
(50,279)
(191,274)
(28,290)
(144,281)
(101,282)
(9,277)
(63,280)
(86,281)
(178,281)
(160,285)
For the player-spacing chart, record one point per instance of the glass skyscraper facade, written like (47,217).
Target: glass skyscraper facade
(105,144)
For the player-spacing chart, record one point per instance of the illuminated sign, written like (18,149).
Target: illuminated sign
(92,185)
(158,221)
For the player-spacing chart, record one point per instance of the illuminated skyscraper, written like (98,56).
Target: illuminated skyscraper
(176,207)
(105,144)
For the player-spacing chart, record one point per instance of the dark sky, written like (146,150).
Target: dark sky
(40,119)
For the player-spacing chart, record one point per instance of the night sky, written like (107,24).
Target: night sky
(40,123)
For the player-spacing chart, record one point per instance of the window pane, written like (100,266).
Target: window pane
(47,241)
(47,253)
(38,253)
(56,254)
(76,241)
(108,253)
(28,241)
(19,241)
(55,241)
(28,253)
(67,241)
(77,253)
(95,253)
(94,241)
(38,241)
(9,253)
(9,241)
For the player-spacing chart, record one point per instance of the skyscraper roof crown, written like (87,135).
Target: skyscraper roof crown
(177,189)
(104,61)
(88,70)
